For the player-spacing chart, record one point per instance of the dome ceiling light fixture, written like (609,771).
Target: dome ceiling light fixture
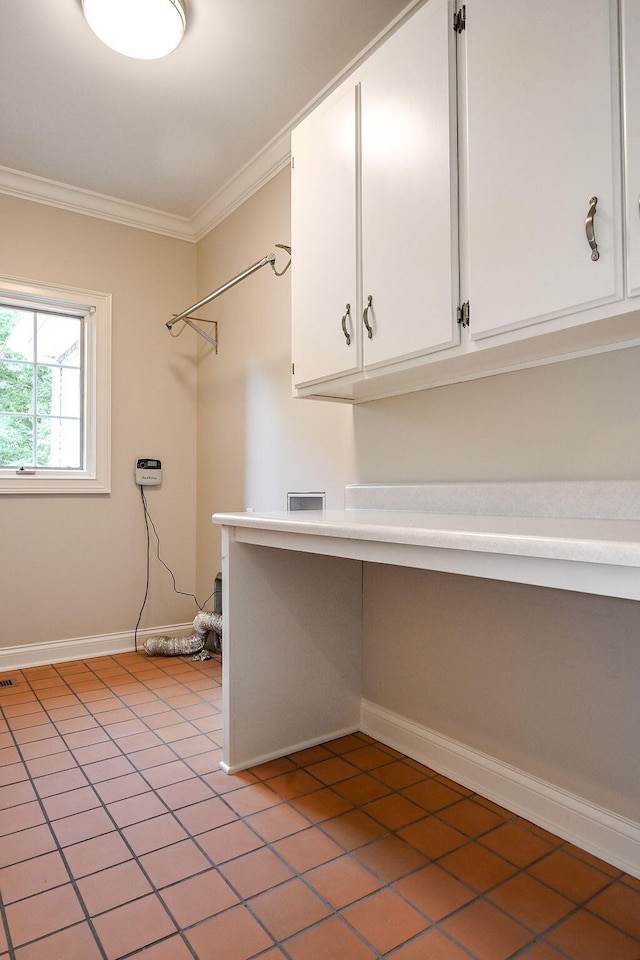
(143,29)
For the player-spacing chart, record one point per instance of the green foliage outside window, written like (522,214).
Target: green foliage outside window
(17,397)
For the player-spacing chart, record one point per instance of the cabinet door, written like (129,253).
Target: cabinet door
(631,89)
(542,136)
(409,209)
(323,237)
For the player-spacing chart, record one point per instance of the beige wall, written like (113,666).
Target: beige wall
(579,419)
(255,442)
(544,680)
(74,566)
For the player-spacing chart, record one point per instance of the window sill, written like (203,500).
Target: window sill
(52,485)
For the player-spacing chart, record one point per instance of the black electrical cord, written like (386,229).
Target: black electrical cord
(148,519)
(146,589)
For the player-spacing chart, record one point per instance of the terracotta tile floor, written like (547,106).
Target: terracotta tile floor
(120,837)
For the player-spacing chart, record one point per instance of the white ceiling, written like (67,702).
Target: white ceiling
(173,134)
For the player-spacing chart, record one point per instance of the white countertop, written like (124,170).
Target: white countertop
(560,538)
(437,540)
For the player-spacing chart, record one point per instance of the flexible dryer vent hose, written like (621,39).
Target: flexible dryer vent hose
(203,624)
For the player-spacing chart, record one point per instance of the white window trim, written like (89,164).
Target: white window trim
(96,475)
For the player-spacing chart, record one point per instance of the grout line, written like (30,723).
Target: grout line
(72,879)
(122,676)
(60,849)
(7,932)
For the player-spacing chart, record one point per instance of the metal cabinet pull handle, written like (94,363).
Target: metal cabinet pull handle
(365,317)
(588,225)
(347,313)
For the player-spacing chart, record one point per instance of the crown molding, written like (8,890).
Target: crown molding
(268,162)
(276,155)
(27,186)
(259,170)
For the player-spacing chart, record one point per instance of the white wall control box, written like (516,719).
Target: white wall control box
(148,472)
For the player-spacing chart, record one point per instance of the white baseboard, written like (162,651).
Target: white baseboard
(293,748)
(612,838)
(82,648)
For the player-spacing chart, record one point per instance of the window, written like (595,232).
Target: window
(54,389)
(41,379)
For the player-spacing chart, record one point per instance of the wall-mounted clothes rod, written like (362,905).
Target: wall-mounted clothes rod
(269,258)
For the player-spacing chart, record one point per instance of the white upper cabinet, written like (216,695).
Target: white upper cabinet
(541,130)
(409,190)
(631,90)
(374,211)
(458,203)
(325,339)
